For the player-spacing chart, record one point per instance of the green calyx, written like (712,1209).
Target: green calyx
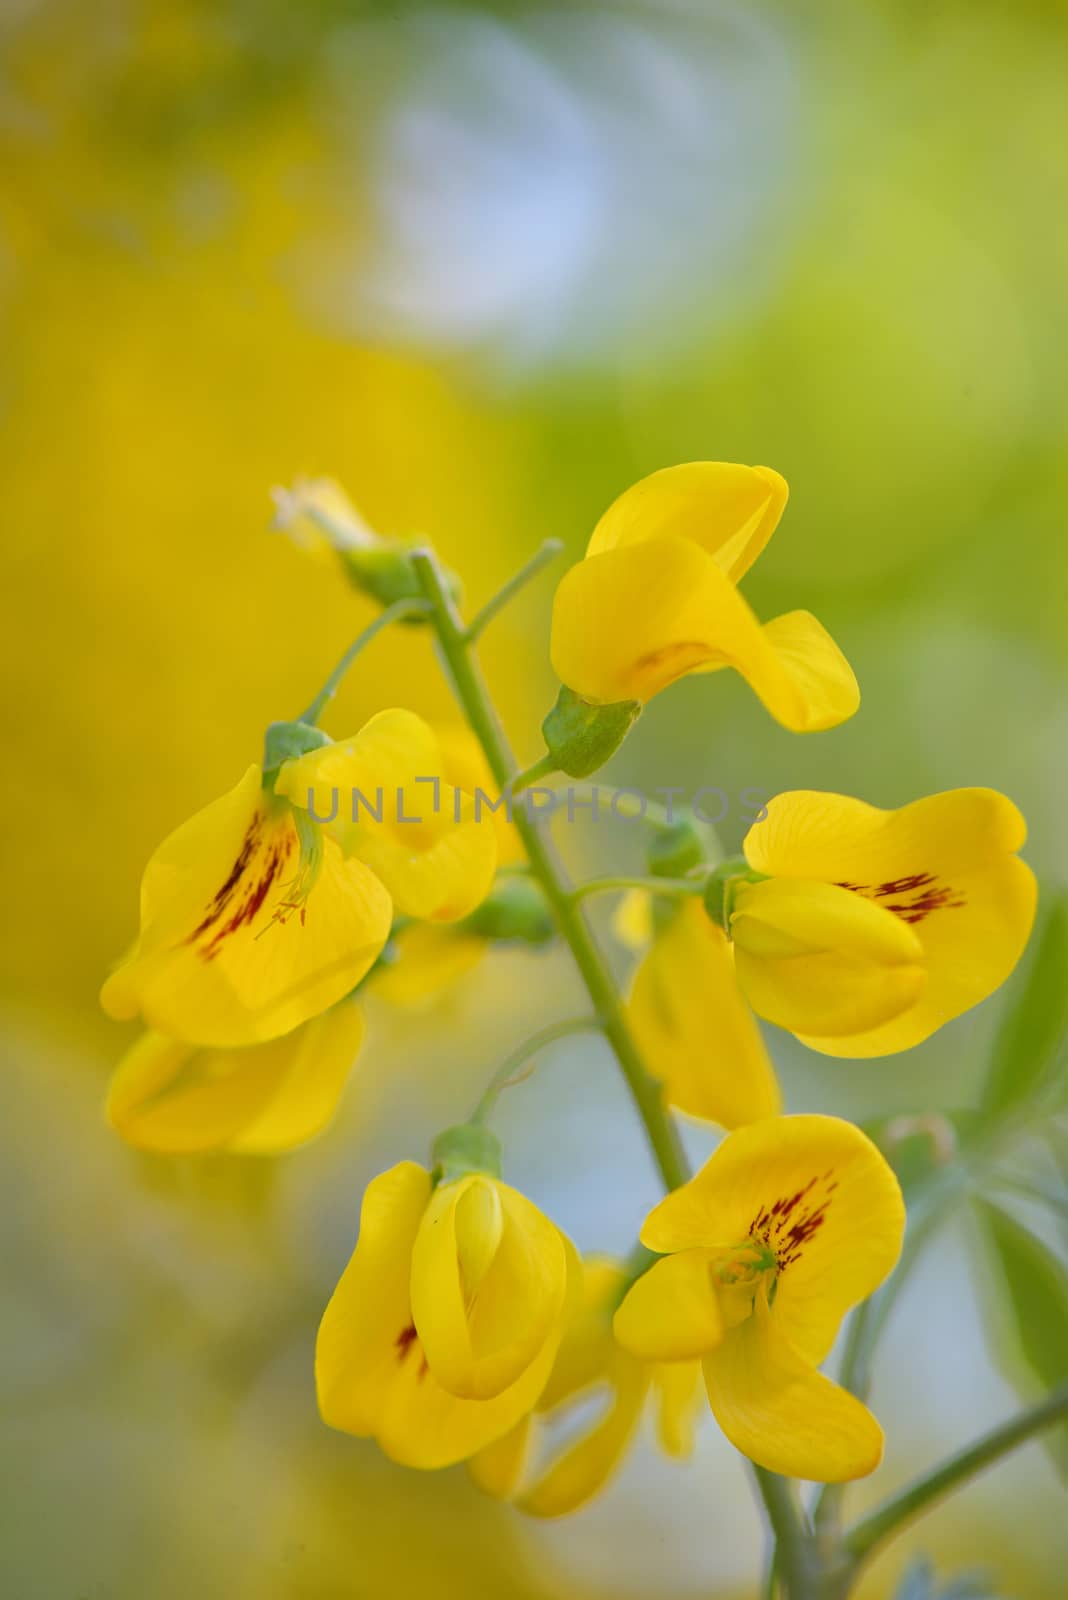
(674,849)
(384,571)
(514,909)
(469,1147)
(719,890)
(580,737)
(286,741)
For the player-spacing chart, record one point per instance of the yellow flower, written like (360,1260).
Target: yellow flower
(591,1364)
(694,1029)
(656,598)
(175,1098)
(444,1327)
(241,940)
(253,917)
(876,927)
(790,1223)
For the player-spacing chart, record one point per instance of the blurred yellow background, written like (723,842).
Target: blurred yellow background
(486,265)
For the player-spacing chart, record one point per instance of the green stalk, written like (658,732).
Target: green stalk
(882,1524)
(791,1554)
(676,888)
(469,686)
(394,613)
(505,1074)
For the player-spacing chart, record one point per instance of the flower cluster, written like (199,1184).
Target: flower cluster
(465,1327)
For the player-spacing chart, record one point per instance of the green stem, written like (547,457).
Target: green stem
(677,888)
(541,558)
(544,768)
(400,608)
(790,1555)
(530,1047)
(871,1531)
(471,691)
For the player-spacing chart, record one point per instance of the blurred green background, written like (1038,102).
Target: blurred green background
(486,265)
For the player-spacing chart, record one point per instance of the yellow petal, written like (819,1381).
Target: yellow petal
(428,958)
(464,765)
(695,1030)
(372,1376)
(309,1091)
(818,1193)
(632,620)
(777,1409)
(632,921)
(672,1312)
(489,1273)
(384,793)
(175,1098)
(363,1337)
(223,959)
(945,866)
(587,1348)
(498,1468)
(730,511)
(582,1471)
(815,958)
(679,1397)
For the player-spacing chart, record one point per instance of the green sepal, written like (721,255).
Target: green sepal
(719,890)
(515,908)
(287,741)
(674,849)
(385,571)
(469,1147)
(581,737)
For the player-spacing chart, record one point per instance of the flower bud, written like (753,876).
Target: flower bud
(515,908)
(674,849)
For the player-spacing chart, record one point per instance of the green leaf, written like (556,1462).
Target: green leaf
(1034,1024)
(1031,1342)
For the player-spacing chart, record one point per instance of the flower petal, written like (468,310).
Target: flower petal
(307,1095)
(174,1098)
(434,850)
(730,511)
(632,620)
(583,1471)
(429,957)
(818,1192)
(777,1409)
(498,1468)
(695,1030)
(672,1312)
(945,866)
(815,958)
(489,1273)
(357,1352)
(679,1401)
